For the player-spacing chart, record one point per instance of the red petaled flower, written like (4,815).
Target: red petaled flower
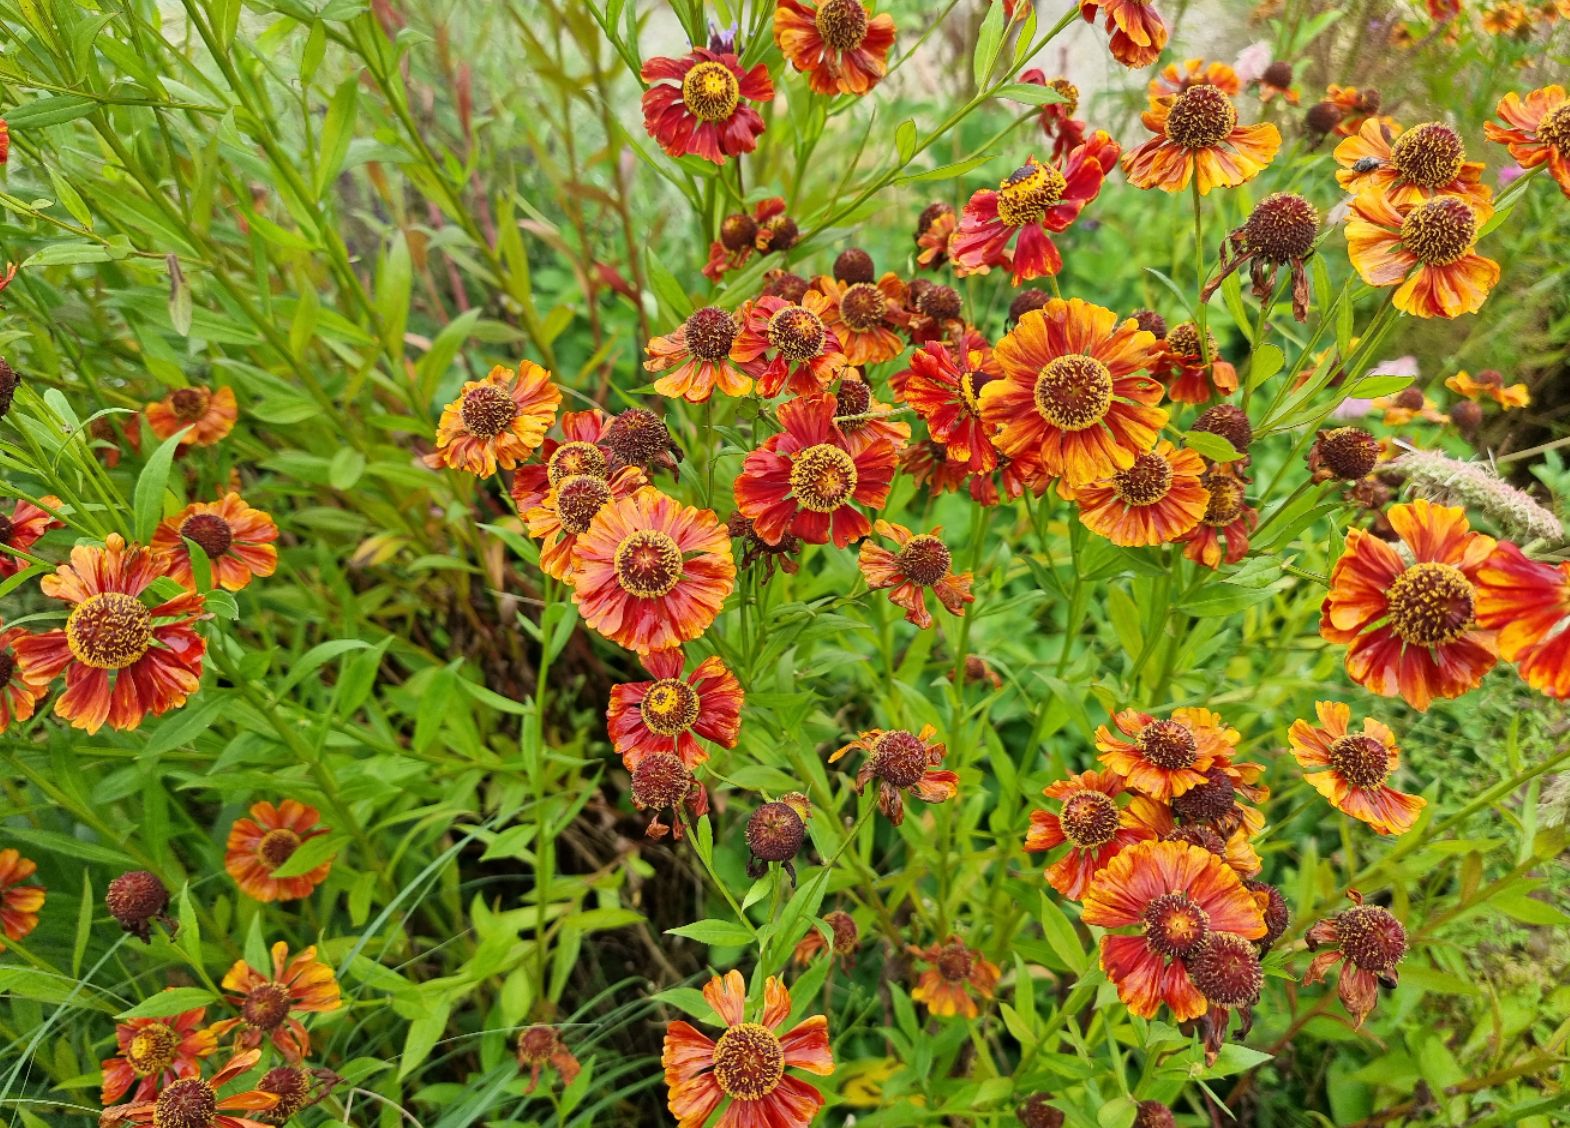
(943,384)
(1411,628)
(786,346)
(1527,602)
(1426,249)
(747,1062)
(1189,376)
(210,414)
(1163,759)
(5,142)
(1178,895)
(1197,135)
(700,352)
(1406,168)
(1156,500)
(670,713)
(1090,822)
(154,1052)
(920,563)
(1031,201)
(1136,29)
(698,104)
(863,317)
(1536,130)
(652,573)
(192,1102)
(945,988)
(1228,518)
(497,421)
(568,510)
(301,985)
(1371,941)
(19,904)
(237,539)
(902,761)
(262,843)
(122,659)
(807,479)
(22,529)
(1351,768)
(840,45)
(579,451)
(19,696)
(1073,398)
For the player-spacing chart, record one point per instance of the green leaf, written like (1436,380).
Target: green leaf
(666,288)
(345,469)
(337,132)
(1031,93)
(147,500)
(989,41)
(175,1000)
(715,933)
(49,111)
(905,141)
(424,1033)
(310,854)
(1214,447)
(1266,362)
(1372,387)
(190,930)
(1234,1058)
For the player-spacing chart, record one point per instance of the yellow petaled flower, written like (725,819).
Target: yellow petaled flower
(1197,135)
(497,421)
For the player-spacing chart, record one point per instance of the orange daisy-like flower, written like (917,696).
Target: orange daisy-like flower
(921,563)
(1176,78)
(19,696)
(1536,130)
(902,761)
(496,421)
(652,573)
(747,1062)
(704,113)
(579,451)
(1489,384)
(210,414)
(1183,369)
(1409,617)
(19,904)
(1137,32)
(786,346)
(1371,941)
(192,1102)
(299,985)
(1198,135)
(1407,168)
(1228,518)
(840,45)
(1030,202)
(23,528)
(1165,758)
(1426,249)
(1354,108)
(1156,500)
(807,479)
(1090,821)
(154,1052)
(943,384)
(1527,602)
(568,511)
(121,658)
(1350,769)
(946,987)
(863,316)
(934,228)
(700,352)
(1072,398)
(670,713)
(1178,895)
(237,539)
(262,843)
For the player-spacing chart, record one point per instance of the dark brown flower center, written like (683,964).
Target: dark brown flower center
(971,383)
(670,707)
(1360,759)
(1429,155)
(1371,938)
(738,230)
(487,411)
(536,1044)
(925,559)
(775,832)
(853,398)
(748,1059)
(291,1085)
(573,458)
(648,564)
(1226,501)
(189,404)
(660,781)
(187,1103)
(1554,129)
(1440,231)
(1282,227)
(1349,453)
(1430,604)
(1278,74)
(151,1049)
(862,307)
(5,529)
(7,668)
(277,847)
(1175,925)
(900,758)
(797,333)
(1228,421)
(1074,392)
(710,91)
(955,962)
(1089,819)
(266,1006)
(109,631)
(1200,117)
(854,265)
(842,24)
(579,500)
(1168,744)
(1144,483)
(1227,971)
(637,437)
(1026,193)
(710,332)
(939,302)
(1206,801)
(210,531)
(823,478)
